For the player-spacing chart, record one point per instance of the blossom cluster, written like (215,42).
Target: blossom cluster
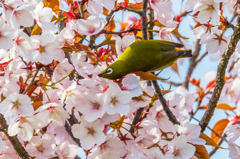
(53,100)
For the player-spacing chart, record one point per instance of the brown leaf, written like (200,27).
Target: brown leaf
(36,30)
(147,76)
(105,11)
(209,141)
(136,6)
(219,128)
(37,104)
(177,34)
(54,4)
(111,25)
(174,67)
(201,152)
(31,90)
(224,107)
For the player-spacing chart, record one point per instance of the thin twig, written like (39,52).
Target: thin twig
(32,81)
(219,143)
(129,9)
(193,63)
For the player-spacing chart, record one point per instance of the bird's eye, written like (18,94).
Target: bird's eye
(109,71)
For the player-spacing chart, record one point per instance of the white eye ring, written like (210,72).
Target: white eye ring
(109,71)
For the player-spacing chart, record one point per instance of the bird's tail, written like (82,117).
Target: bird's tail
(185,53)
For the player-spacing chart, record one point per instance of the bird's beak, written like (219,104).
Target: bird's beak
(101,74)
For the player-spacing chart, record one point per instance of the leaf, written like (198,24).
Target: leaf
(224,107)
(174,67)
(136,6)
(31,90)
(177,34)
(219,128)
(209,141)
(139,34)
(60,19)
(157,23)
(37,104)
(147,76)
(123,25)
(36,30)
(201,152)
(111,25)
(105,11)
(54,4)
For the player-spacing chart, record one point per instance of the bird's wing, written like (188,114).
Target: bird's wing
(167,59)
(167,45)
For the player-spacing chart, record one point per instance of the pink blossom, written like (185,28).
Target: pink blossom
(66,150)
(122,44)
(21,16)
(179,148)
(6,35)
(233,132)
(208,11)
(94,7)
(89,133)
(190,4)
(116,100)
(41,147)
(164,34)
(80,64)
(15,105)
(91,26)
(43,16)
(111,144)
(234,150)
(22,44)
(93,107)
(52,112)
(131,83)
(152,153)
(191,132)
(23,126)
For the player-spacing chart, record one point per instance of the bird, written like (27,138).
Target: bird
(146,56)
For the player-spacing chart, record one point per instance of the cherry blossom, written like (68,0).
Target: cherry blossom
(131,83)
(21,16)
(89,133)
(116,100)
(191,132)
(179,148)
(52,112)
(43,16)
(233,132)
(66,150)
(122,44)
(208,11)
(6,35)
(78,60)
(23,126)
(234,150)
(14,105)
(91,26)
(41,147)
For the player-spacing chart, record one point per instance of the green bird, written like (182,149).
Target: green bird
(146,56)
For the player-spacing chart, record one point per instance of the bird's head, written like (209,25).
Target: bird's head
(114,71)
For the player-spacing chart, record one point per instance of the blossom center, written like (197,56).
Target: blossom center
(91,131)
(96,105)
(114,100)
(125,87)
(41,49)
(176,153)
(40,148)
(51,109)
(16,103)
(210,8)
(91,29)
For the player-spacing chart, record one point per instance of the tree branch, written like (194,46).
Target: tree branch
(129,9)
(220,81)
(193,63)
(223,138)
